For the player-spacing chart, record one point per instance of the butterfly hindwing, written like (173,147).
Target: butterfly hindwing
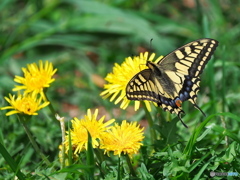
(175,78)
(145,86)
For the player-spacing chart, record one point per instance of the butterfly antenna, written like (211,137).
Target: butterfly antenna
(150,46)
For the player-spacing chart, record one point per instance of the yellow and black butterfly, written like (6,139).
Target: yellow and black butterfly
(175,78)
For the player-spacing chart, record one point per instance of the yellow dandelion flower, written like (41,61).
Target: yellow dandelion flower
(36,78)
(25,104)
(123,139)
(121,75)
(79,135)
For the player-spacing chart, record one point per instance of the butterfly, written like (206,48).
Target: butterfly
(175,78)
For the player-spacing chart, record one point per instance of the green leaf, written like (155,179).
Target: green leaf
(13,165)
(90,158)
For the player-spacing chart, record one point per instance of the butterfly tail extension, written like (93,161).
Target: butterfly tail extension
(179,111)
(193,99)
(197,107)
(179,116)
(174,109)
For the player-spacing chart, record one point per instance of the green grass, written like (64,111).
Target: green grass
(85,38)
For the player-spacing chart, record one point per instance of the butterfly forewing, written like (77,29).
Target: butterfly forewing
(175,78)
(191,58)
(142,87)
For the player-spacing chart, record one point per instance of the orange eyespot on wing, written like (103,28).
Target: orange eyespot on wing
(178,103)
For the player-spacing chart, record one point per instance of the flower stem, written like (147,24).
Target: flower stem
(119,177)
(62,125)
(50,107)
(130,166)
(33,142)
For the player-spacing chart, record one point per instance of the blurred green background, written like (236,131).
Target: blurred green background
(84,38)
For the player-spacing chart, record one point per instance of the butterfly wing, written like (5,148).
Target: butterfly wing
(143,86)
(191,58)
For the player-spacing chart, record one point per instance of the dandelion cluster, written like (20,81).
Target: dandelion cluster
(36,78)
(125,138)
(120,139)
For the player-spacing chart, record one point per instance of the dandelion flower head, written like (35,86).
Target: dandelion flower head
(124,139)
(121,75)
(27,104)
(80,129)
(36,78)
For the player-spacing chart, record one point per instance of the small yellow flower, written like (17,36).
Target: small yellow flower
(123,139)
(121,75)
(27,104)
(36,78)
(79,135)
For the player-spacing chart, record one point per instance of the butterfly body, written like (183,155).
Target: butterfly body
(175,78)
(159,73)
